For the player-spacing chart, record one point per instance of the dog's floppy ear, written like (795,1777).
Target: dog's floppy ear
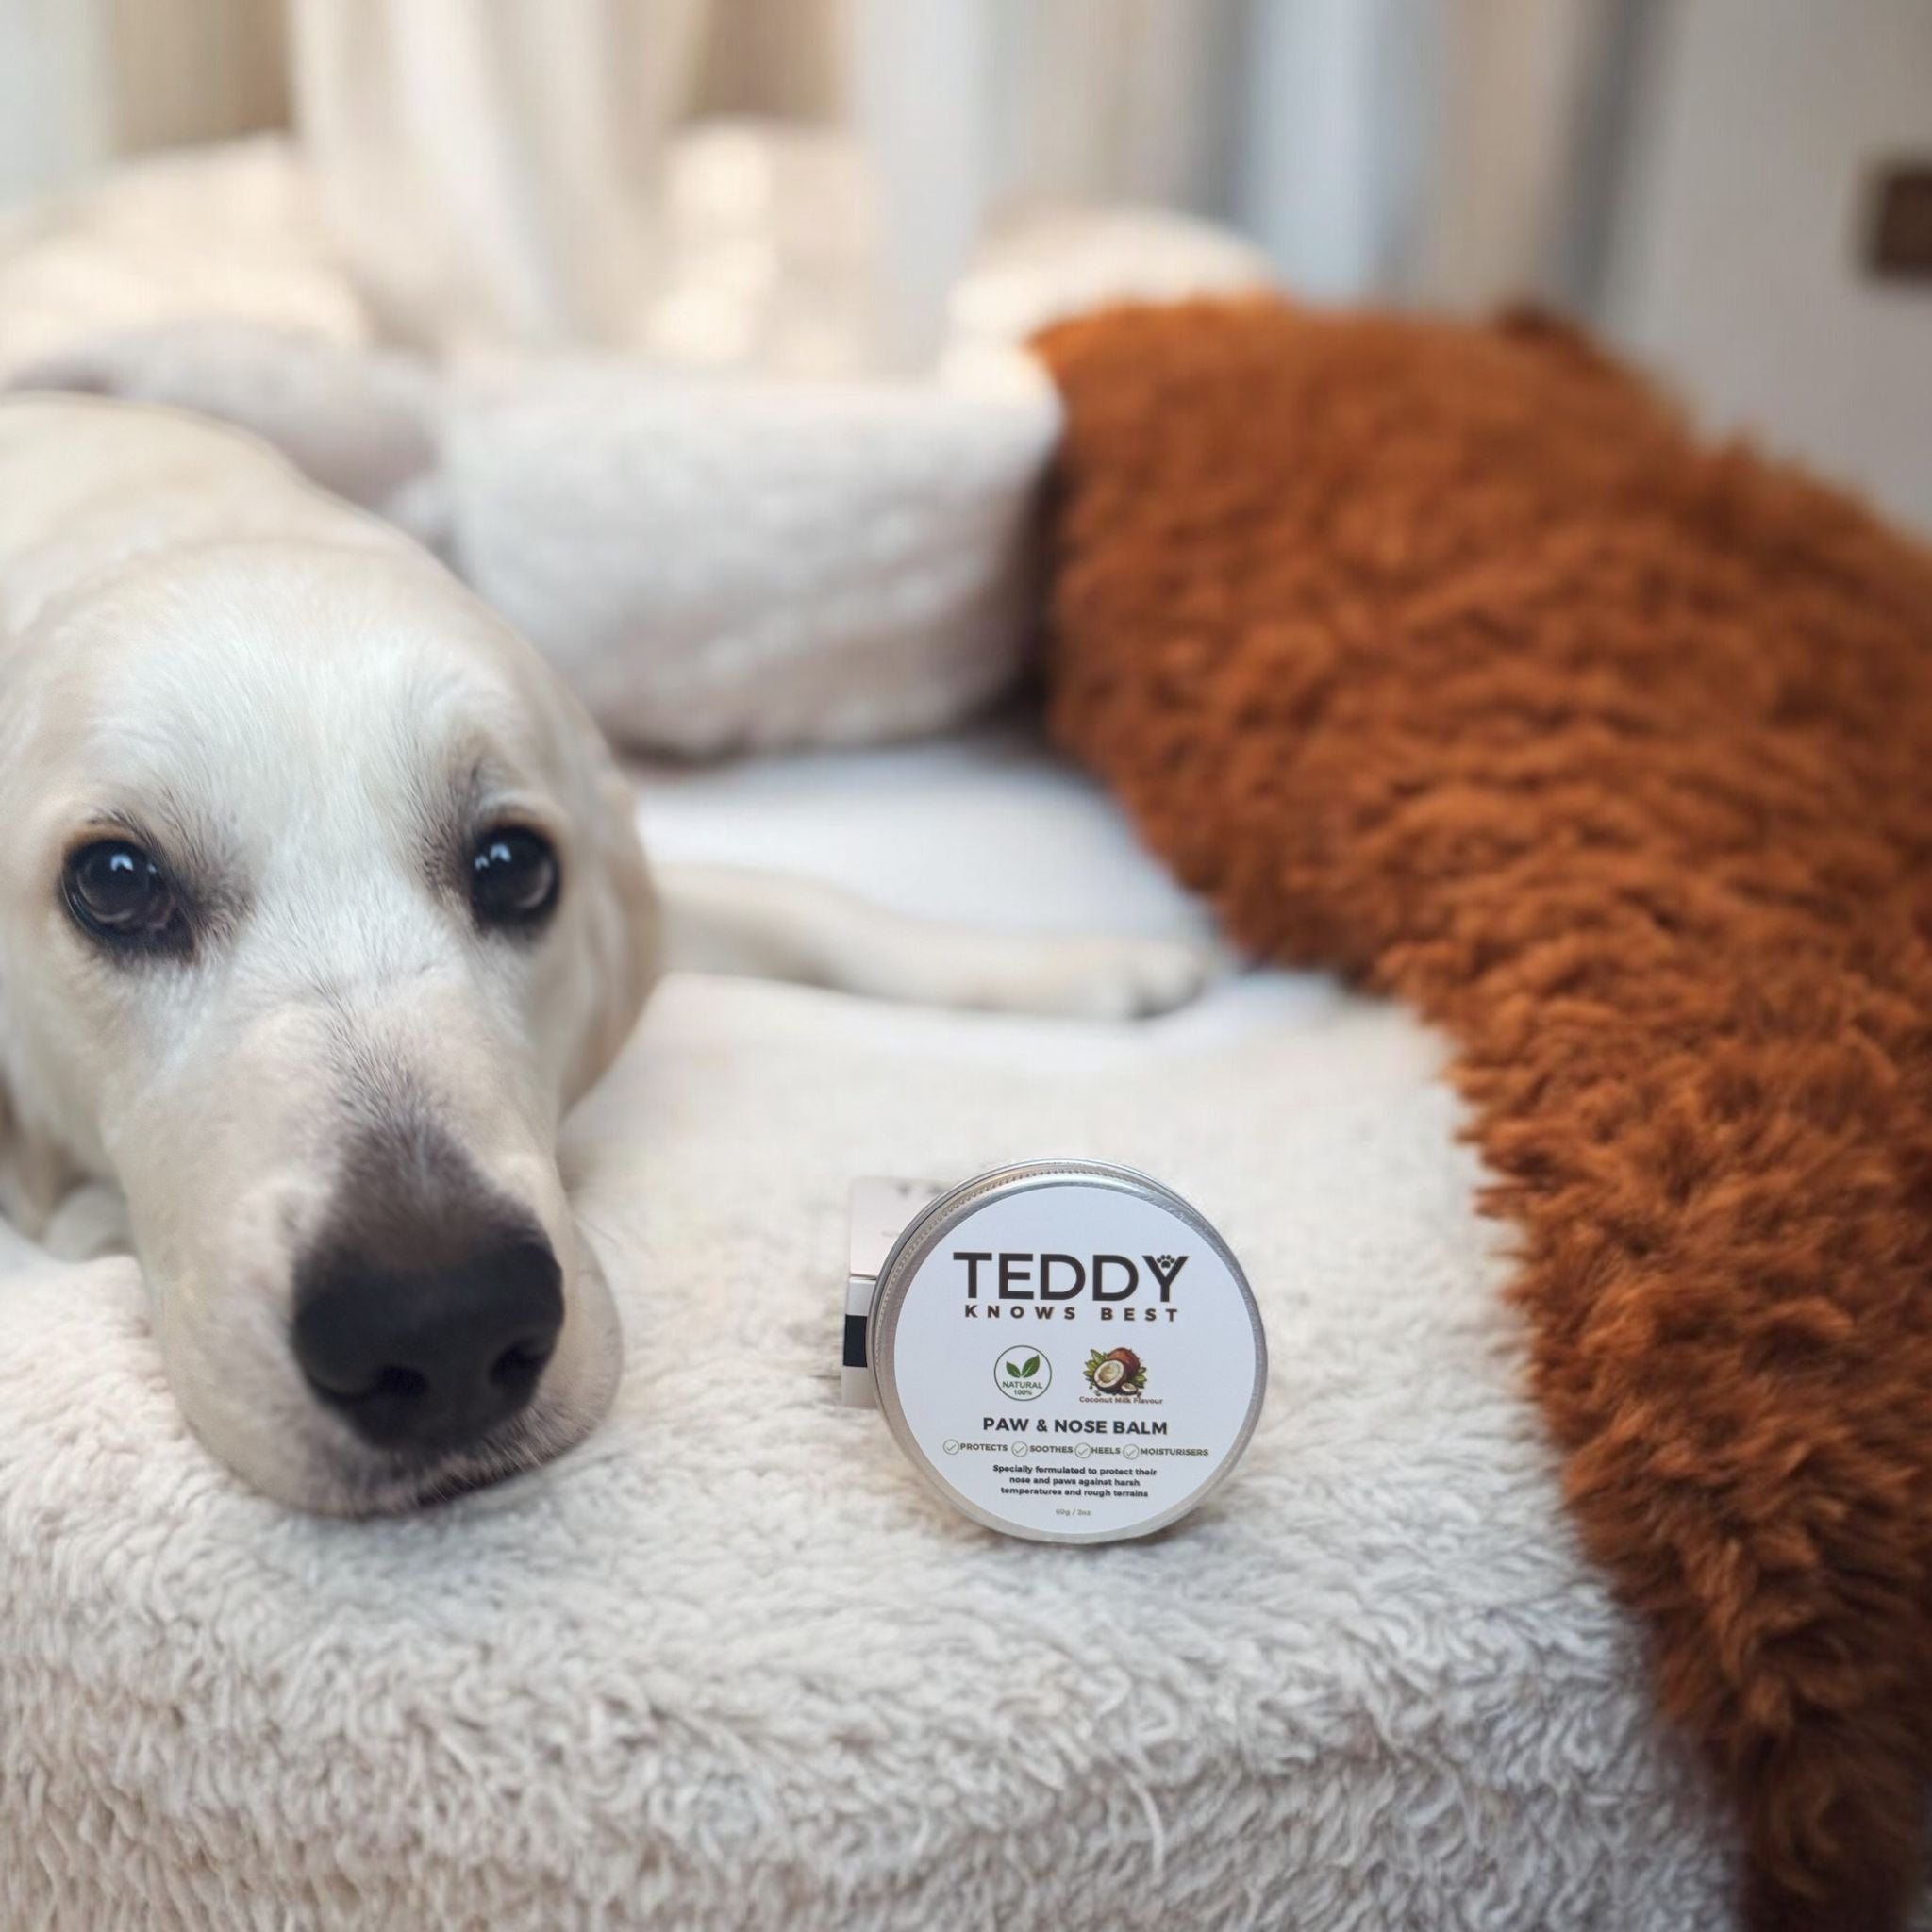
(9,1209)
(619,927)
(14,1206)
(627,922)
(13,1220)
(608,955)
(37,1172)
(31,1168)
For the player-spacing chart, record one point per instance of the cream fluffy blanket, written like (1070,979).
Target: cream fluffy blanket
(731,1665)
(717,552)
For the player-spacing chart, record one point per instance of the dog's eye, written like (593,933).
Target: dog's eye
(120,894)
(514,878)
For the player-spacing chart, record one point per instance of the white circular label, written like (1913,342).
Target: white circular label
(1072,1361)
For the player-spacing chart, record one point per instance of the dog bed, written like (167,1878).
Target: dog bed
(1447,657)
(716,553)
(731,1665)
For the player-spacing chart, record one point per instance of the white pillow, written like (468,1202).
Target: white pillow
(732,562)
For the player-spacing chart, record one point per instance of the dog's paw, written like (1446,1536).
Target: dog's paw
(1122,979)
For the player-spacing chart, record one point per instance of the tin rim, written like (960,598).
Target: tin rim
(936,1220)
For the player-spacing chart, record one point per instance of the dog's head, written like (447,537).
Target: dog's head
(320,903)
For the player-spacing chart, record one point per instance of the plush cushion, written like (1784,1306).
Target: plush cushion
(731,1665)
(1447,657)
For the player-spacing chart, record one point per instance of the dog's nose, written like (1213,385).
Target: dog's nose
(433,1358)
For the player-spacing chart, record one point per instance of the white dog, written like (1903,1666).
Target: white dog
(321,902)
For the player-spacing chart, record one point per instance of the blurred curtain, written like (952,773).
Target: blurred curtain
(83,81)
(56,111)
(967,106)
(1457,153)
(494,167)
(490,167)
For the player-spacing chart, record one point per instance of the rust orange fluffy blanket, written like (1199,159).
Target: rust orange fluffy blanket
(1447,657)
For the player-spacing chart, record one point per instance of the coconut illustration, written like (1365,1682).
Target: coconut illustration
(1120,1371)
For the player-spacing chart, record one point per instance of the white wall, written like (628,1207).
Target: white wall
(1736,268)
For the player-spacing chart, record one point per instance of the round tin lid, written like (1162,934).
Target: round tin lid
(1067,1351)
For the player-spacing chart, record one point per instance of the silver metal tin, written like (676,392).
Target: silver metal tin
(879,1284)
(880,1212)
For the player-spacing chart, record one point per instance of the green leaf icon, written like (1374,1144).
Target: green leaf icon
(1032,1368)
(1012,1371)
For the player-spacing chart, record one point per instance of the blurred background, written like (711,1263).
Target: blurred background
(1738,192)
